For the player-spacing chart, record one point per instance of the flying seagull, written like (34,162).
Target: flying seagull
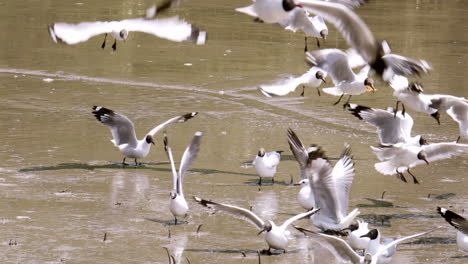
(172,28)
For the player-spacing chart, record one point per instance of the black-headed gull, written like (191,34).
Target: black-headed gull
(178,205)
(401,157)
(356,231)
(392,127)
(330,186)
(345,253)
(305,197)
(359,37)
(276,236)
(123,132)
(460,223)
(276,11)
(266,163)
(313,78)
(172,28)
(299,19)
(411,95)
(336,63)
(383,250)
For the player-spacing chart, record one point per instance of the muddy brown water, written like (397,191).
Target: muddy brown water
(62,190)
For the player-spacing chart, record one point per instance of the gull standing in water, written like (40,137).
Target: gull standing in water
(123,132)
(336,63)
(313,78)
(392,127)
(329,186)
(360,38)
(172,28)
(460,223)
(178,204)
(265,164)
(412,96)
(374,254)
(276,236)
(401,157)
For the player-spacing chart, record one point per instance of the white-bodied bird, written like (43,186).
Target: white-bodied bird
(266,163)
(275,237)
(178,205)
(123,132)
(460,223)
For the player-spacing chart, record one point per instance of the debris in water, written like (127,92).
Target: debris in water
(48,80)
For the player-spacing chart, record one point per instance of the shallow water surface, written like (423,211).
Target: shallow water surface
(65,198)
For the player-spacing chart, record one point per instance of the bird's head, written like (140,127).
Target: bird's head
(123,34)
(289,5)
(149,139)
(173,194)
(261,152)
(324,34)
(369,85)
(320,76)
(303,182)
(423,156)
(422,141)
(372,234)
(266,228)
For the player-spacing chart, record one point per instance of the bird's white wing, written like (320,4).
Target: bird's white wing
(175,177)
(400,65)
(189,156)
(323,186)
(334,62)
(233,210)
(399,83)
(337,245)
(121,127)
(439,151)
(459,113)
(76,33)
(343,174)
(383,248)
(248,10)
(354,58)
(299,217)
(281,87)
(172,28)
(298,149)
(350,25)
(272,159)
(177,119)
(392,129)
(296,19)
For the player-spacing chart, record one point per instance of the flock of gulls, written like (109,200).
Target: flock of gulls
(324,192)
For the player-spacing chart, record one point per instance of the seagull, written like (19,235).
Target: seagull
(336,63)
(172,28)
(330,186)
(276,236)
(347,254)
(123,132)
(178,204)
(411,95)
(265,164)
(354,236)
(359,37)
(401,157)
(460,223)
(383,252)
(392,127)
(313,77)
(276,11)
(305,197)
(299,19)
